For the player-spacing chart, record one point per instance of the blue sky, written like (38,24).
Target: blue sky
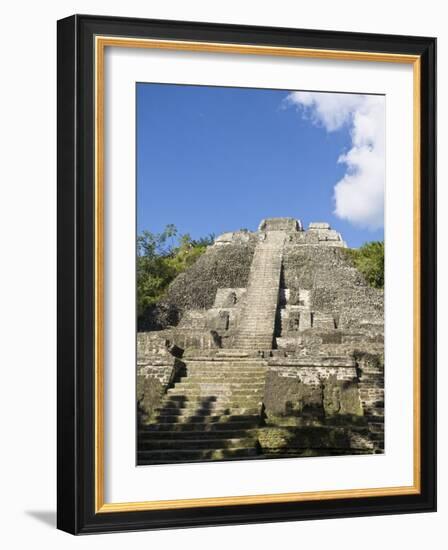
(214,159)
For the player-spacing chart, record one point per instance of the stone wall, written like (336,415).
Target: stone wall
(158,368)
(371,391)
(196,339)
(314,411)
(334,285)
(324,390)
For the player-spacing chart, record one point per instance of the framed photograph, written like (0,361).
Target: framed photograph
(246,274)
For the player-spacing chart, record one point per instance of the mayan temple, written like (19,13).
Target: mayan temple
(270,345)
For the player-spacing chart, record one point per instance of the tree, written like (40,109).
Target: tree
(161,257)
(369,260)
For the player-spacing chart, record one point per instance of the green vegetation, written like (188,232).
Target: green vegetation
(161,257)
(369,259)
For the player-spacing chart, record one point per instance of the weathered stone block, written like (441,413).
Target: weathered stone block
(319,225)
(229,297)
(323,321)
(341,397)
(149,394)
(156,346)
(280,224)
(286,396)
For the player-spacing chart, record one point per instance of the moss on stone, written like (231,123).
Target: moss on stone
(149,394)
(286,397)
(313,441)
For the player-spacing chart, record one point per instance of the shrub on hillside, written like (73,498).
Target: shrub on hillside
(161,257)
(369,260)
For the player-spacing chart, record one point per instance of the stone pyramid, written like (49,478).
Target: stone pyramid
(270,345)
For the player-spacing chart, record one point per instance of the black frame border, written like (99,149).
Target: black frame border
(76,262)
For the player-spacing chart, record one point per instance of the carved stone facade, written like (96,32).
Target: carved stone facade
(278,351)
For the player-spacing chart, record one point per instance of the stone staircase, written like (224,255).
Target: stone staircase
(212,413)
(257,320)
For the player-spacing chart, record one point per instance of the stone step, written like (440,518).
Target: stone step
(223,404)
(196,411)
(225,369)
(257,340)
(263,297)
(203,401)
(234,361)
(265,292)
(213,382)
(374,418)
(251,336)
(206,397)
(260,315)
(217,373)
(233,370)
(264,282)
(174,456)
(235,378)
(209,418)
(217,393)
(225,375)
(213,388)
(264,286)
(198,434)
(196,444)
(224,378)
(265,346)
(266,273)
(228,386)
(215,366)
(199,401)
(258,381)
(256,332)
(233,353)
(225,408)
(199,426)
(269,306)
(231,376)
(238,402)
(227,361)
(263,330)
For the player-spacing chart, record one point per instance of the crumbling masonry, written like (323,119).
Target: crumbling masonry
(270,345)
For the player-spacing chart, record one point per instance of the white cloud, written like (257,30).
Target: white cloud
(359,195)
